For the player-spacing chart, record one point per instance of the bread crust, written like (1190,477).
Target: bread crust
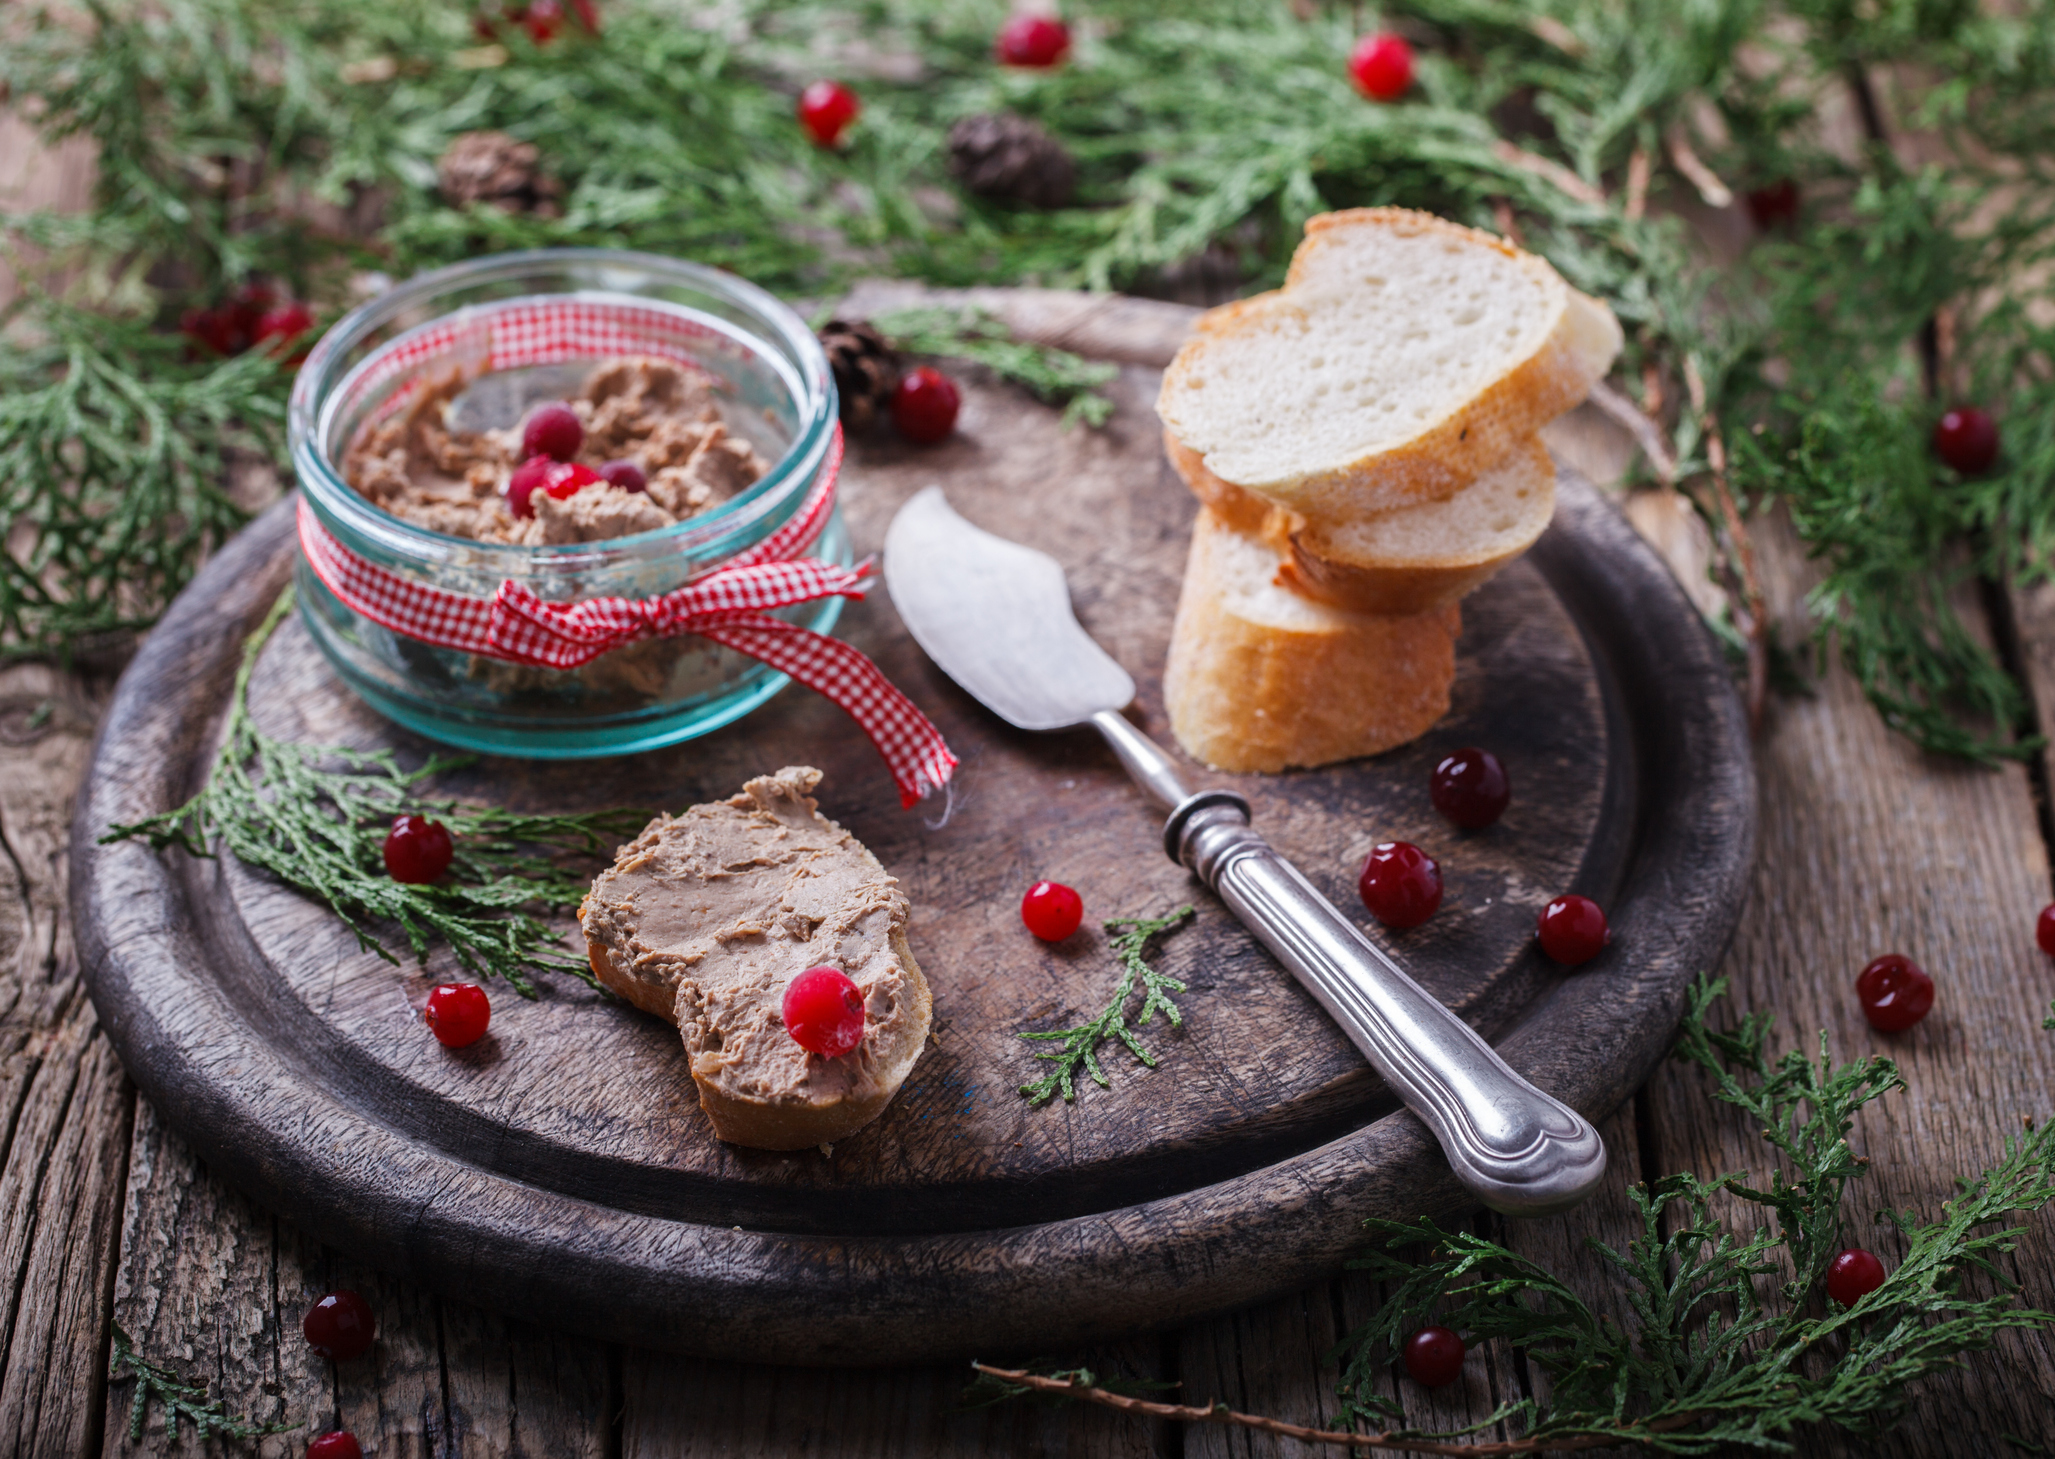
(652,997)
(1445,454)
(798,1125)
(1248,694)
(1366,582)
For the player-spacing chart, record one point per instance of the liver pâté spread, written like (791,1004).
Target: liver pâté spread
(650,411)
(708,915)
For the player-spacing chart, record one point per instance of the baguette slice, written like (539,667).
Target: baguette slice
(1262,678)
(1404,356)
(1408,560)
(704,920)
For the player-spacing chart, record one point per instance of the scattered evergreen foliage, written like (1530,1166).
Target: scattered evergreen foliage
(180,1400)
(1732,1342)
(297,140)
(115,453)
(316,817)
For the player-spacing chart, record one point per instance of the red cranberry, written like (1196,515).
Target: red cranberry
(1967,439)
(1400,884)
(1573,930)
(924,405)
(521,486)
(826,109)
(1895,992)
(2044,929)
(417,849)
(567,478)
(339,1444)
(287,322)
(340,1326)
(1052,910)
(552,430)
(1775,204)
(1434,1357)
(627,475)
(1470,788)
(1033,40)
(1853,1275)
(212,329)
(542,20)
(1382,66)
(457,1014)
(824,1012)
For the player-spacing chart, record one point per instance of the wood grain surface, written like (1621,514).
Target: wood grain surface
(216,1286)
(564,1159)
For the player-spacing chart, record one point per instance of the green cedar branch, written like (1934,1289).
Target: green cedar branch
(316,817)
(179,1399)
(1081,1044)
(1209,134)
(116,448)
(1731,1342)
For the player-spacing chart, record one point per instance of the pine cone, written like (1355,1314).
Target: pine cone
(1007,156)
(491,167)
(866,370)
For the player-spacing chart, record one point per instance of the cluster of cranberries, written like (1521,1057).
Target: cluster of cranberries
(550,438)
(418,851)
(1401,885)
(254,315)
(340,1327)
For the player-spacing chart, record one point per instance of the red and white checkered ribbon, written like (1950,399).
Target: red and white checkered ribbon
(728,606)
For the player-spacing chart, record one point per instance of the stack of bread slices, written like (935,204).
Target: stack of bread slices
(1364,444)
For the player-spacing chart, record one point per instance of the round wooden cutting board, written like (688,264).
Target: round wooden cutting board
(562,1169)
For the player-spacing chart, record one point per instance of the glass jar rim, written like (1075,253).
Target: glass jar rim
(711,536)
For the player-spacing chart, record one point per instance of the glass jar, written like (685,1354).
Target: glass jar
(776,391)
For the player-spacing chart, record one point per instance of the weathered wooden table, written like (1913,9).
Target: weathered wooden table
(1865,846)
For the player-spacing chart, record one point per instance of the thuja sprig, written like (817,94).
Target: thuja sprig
(1080,1048)
(1717,1353)
(117,450)
(180,1400)
(1052,375)
(316,817)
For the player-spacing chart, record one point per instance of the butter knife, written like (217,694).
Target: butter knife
(996,617)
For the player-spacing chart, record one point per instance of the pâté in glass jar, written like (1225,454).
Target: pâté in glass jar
(527,483)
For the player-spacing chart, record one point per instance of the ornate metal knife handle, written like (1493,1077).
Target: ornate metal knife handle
(1515,1148)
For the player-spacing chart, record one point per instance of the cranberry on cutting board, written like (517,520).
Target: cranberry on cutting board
(1400,884)
(1573,930)
(457,1014)
(1051,910)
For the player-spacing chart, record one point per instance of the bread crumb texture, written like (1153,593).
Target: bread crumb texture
(1404,356)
